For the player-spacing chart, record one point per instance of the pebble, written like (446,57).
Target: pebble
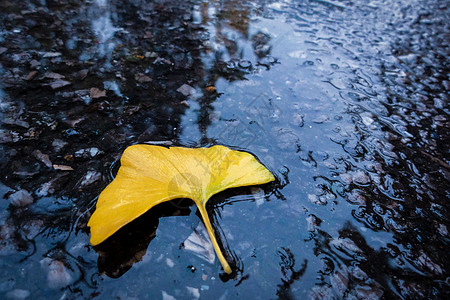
(58,276)
(321,119)
(87,153)
(360,177)
(375,166)
(170,263)
(166,296)
(339,282)
(426,262)
(195,293)
(53,75)
(369,292)
(17,122)
(8,136)
(186,90)
(73,122)
(313,222)
(34,64)
(358,273)
(258,194)
(32,228)
(44,158)
(58,144)
(443,230)
(18,294)
(285,138)
(316,200)
(323,292)
(330,165)
(297,120)
(346,178)
(408,58)
(185,103)
(356,198)
(346,244)
(59,84)
(90,178)
(367,120)
(46,189)
(21,198)
(140,77)
(96,93)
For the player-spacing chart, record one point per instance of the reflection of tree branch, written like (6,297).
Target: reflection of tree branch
(287,265)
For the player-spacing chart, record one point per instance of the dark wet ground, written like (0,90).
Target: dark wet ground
(345,101)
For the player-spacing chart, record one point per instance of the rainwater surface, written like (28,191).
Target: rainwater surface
(346,102)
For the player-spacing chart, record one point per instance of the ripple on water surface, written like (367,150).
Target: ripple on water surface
(345,101)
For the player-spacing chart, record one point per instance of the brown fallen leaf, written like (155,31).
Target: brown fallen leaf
(31,75)
(211,89)
(59,84)
(62,168)
(53,75)
(96,93)
(140,77)
(34,64)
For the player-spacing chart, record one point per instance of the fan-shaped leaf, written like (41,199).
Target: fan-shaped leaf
(150,175)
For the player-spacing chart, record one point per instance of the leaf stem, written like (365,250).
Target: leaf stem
(210,230)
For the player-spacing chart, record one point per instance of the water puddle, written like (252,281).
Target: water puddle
(346,102)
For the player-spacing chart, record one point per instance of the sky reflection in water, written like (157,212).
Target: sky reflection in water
(346,102)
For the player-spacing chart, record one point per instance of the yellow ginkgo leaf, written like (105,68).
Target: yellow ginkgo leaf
(150,175)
